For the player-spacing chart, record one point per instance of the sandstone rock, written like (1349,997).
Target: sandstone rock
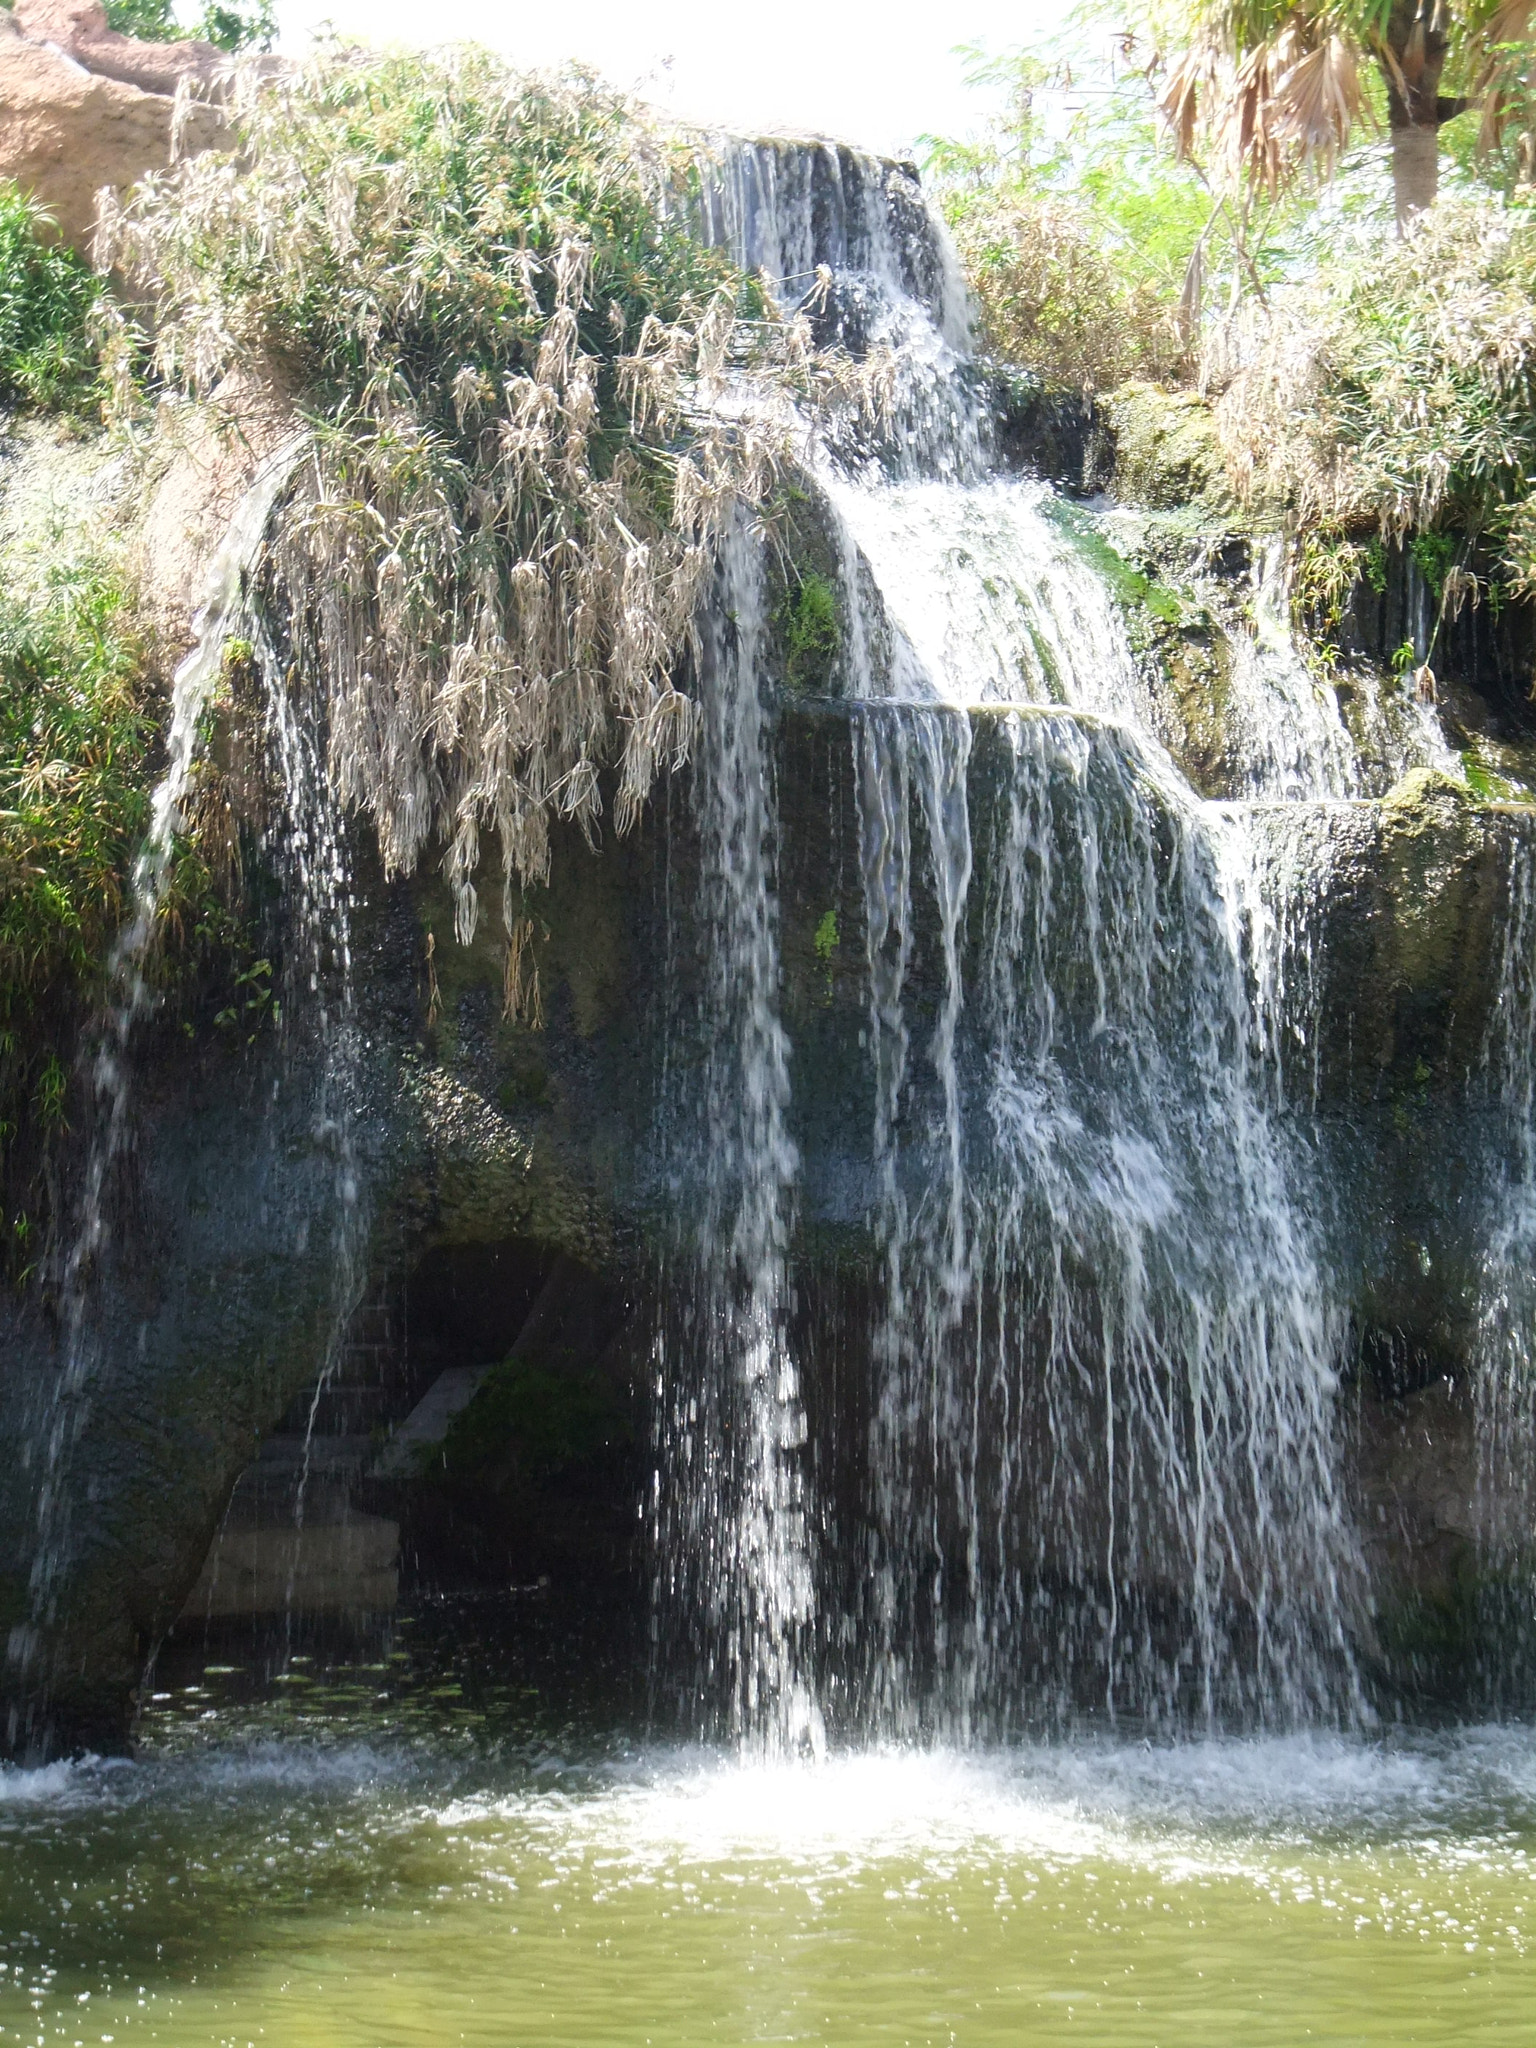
(67,130)
(79,29)
(193,500)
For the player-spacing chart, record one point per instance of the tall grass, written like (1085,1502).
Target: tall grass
(536,397)
(47,297)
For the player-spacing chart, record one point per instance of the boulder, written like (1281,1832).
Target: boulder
(70,126)
(79,29)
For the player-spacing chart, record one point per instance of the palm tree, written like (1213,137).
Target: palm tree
(1276,83)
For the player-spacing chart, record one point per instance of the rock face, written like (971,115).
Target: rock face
(932,1035)
(215,1307)
(82,108)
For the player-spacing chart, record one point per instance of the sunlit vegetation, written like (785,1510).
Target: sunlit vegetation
(47,297)
(1076,246)
(1391,396)
(483,291)
(75,735)
(243,25)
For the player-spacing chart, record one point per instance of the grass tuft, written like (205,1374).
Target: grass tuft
(47,299)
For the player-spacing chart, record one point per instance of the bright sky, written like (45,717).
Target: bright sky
(875,76)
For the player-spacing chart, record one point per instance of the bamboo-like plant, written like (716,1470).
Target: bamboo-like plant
(536,401)
(1394,395)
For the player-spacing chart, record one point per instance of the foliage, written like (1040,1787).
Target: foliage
(74,737)
(1077,248)
(1391,395)
(514,355)
(47,297)
(809,620)
(243,25)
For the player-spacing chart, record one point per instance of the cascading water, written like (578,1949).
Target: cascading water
(1108,1353)
(732,1534)
(1106,1348)
(305,843)
(225,614)
(1504,1380)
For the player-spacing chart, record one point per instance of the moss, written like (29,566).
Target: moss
(1433,878)
(1486,785)
(1167,452)
(810,623)
(1425,801)
(1137,593)
(531,1423)
(526,1085)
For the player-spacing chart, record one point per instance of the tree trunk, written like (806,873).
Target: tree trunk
(1415,169)
(1412,56)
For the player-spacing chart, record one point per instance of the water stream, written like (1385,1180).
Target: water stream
(227,613)
(732,1538)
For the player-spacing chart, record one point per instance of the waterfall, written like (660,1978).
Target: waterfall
(733,1532)
(1108,1358)
(789,209)
(1504,1353)
(1105,1341)
(225,614)
(305,844)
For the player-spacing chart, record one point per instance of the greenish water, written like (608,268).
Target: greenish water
(418,1850)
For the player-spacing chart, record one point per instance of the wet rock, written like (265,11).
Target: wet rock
(216,1304)
(1167,454)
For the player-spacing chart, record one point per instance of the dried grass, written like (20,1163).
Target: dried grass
(1396,392)
(536,400)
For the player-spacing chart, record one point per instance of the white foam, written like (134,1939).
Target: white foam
(1195,1803)
(48,1783)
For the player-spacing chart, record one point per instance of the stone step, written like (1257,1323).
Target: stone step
(340,1567)
(428,1423)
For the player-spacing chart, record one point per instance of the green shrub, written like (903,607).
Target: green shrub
(1077,247)
(74,735)
(483,288)
(47,296)
(249,24)
(1392,396)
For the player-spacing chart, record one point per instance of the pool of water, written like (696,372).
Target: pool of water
(425,1845)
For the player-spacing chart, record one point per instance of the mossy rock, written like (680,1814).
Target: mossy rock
(1167,455)
(531,1422)
(1431,835)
